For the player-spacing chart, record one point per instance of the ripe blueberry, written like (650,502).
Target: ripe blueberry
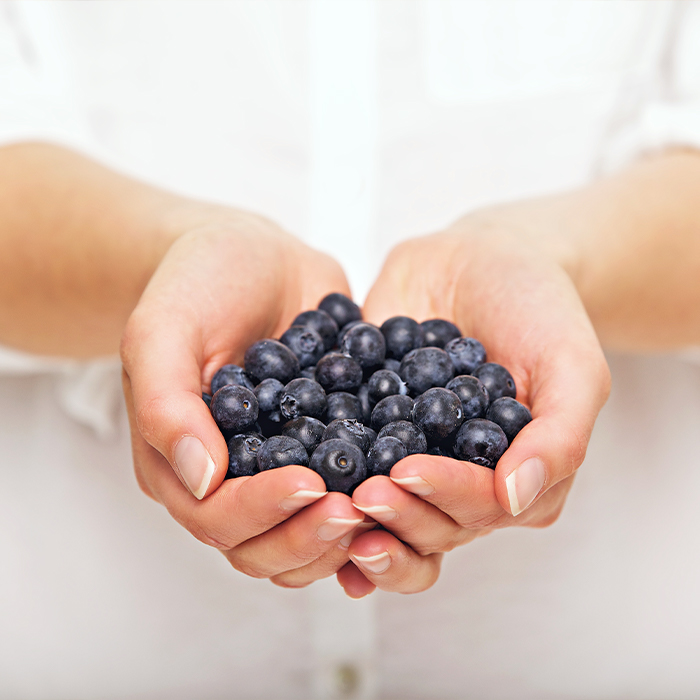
(402,334)
(510,414)
(309,431)
(383,455)
(234,408)
(410,435)
(305,343)
(466,354)
(391,409)
(365,343)
(385,383)
(230,374)
(424,368)
(280,451)
(338,372)
(497,380)
(480,441)
(270,358)
(341,309)
(437,332)
(349,430)
(341,404)
(322,323)
(472,393)
(438,413)
(303,397)
(243,455)
(341,464)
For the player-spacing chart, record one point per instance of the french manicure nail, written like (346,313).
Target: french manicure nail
(333,528)
(381,513)
(376,564)
(415,484)
(348,539)
(524,483)
(301,498)
(195,465)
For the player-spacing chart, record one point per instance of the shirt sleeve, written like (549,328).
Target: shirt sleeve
(667,115)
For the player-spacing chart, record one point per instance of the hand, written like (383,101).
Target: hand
(512,295)
(230,279)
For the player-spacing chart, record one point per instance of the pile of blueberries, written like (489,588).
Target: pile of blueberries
(349,399)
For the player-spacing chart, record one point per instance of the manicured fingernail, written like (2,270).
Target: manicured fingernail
(333,528)
(301,498)
(361,528)
(194,464)
(376,564)
(415,484)
(524,483)
(380,513)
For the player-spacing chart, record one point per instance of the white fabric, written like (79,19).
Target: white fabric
(354,125)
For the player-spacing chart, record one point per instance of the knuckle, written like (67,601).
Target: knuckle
(246,567)
(149,415)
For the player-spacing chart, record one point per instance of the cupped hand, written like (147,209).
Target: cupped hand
(508,290)
(227,281)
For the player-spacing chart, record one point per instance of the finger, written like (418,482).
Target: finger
(239,509)
(299,540)
(423,526)
(354,582)
(326,565)
(567,391)
(391,565)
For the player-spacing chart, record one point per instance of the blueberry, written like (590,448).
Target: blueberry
(410,435)
(308,372)
(392,364)
(424,368)
(497,380)
(303,397)
(443,450)
(206,398)
(309,431)
(341,464)
(372,435)
(230,374)
(438,413)
(480,441)
(243,455)
(234,408)
(391,409)
(270,358)
(345,329)
(349,430)
(365,343)
(280,451)
(268,393)
(344,405)
(473,395)
(338,372)
(322,323)
(510,415)
(385,383)
(341,309)
(466,354)
(363,396)
(305,343)
(383,455)
(402,334)
(437,332)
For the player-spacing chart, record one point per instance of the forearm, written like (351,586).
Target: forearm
(631,244)
(79,243)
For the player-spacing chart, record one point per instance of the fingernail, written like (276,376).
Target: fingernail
(415,484)
(524,483)
(301,498)
(376,564)
(195,465)
(360,529)
(333,528)
(381,513)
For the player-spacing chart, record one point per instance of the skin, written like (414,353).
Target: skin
(116,263)
(538,283)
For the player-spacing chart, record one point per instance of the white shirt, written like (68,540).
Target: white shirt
(354,125)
